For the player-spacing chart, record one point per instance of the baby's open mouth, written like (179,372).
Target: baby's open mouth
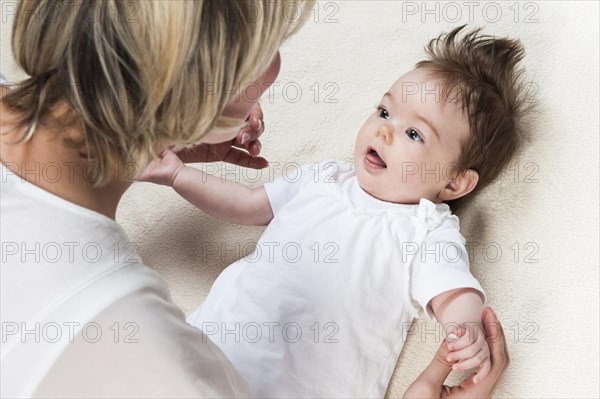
(374,158)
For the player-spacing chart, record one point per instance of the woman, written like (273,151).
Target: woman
(111,85)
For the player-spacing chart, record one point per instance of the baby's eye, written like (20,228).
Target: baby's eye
(413,135)
(383,113)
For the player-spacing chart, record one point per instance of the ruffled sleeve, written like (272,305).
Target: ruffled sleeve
(431,215)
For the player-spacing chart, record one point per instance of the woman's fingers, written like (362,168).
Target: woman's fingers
(244,137)
(484,370)
(436,373)
(242,158)
(250,142)
(256,119)
(254,148)
(248,137)
(498,352)
(199,153)
(496,341)
(254,129)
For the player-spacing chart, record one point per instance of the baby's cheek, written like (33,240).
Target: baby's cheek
(421,171)
(434,173)
(405,173)
(409,180)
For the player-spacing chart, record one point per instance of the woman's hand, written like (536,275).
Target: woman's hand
(231,151)
(430,383)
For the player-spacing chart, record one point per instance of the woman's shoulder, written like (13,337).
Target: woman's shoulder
(58,254)
(123,327)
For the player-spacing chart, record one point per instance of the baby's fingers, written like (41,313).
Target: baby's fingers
(146,173)
(461,343)
(471,362)
(466,353)
(484,370)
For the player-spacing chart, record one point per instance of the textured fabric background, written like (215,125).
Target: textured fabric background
(533,235)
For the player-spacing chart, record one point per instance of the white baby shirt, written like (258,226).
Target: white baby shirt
(322,306)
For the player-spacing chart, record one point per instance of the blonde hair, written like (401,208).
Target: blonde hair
(139,73)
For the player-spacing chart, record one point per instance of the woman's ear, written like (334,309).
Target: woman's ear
(460,186)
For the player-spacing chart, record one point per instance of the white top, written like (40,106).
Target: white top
(82,316)
(321,308)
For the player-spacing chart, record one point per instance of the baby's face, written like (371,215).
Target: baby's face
(408,148)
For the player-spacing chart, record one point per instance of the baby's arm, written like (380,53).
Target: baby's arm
(464,306)
(222,199)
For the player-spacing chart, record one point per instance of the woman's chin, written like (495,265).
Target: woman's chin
(217,137)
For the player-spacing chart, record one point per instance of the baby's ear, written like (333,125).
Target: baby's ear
(460,186)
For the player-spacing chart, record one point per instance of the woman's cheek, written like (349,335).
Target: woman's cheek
(239,109)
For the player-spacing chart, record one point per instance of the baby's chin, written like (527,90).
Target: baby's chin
(381,196)
(370,187)
(375,189)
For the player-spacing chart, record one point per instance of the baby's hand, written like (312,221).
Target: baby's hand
(470,349)
(164,170)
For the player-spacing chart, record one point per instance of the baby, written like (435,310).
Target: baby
(352,250)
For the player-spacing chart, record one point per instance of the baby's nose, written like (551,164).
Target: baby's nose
(386,133)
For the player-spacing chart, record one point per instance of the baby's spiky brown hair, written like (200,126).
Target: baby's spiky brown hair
(482,73)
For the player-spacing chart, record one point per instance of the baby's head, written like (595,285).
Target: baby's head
(448,127)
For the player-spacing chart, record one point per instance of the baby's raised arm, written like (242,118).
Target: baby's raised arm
(463,306)
(226,200)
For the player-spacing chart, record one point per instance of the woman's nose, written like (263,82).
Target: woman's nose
(385,132)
